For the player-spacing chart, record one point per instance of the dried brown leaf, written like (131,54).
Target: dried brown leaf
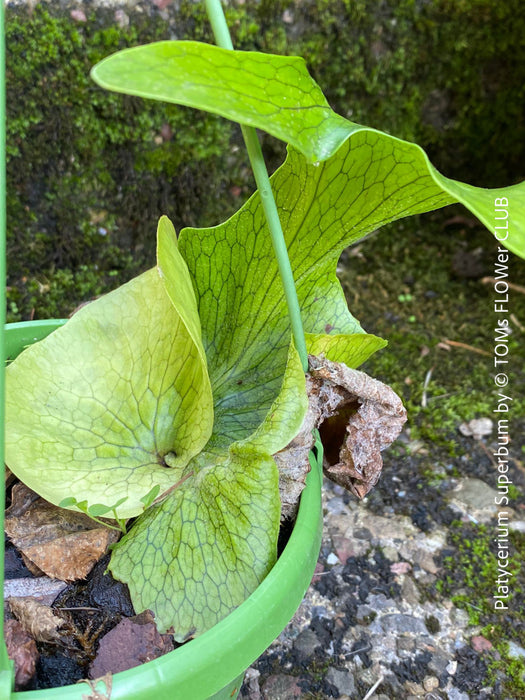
(37,619)
(368,419)
(61,543)
(32,567)
(357,417)
(21,648)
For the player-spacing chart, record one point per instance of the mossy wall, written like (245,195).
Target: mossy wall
(89,172)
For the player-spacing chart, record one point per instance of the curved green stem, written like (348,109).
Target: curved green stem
(223,39)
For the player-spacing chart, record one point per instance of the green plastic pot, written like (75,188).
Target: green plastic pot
(213,665)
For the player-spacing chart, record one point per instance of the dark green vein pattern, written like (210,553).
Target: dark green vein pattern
(369,181)
(278,95)
(246,87)
(200,553)
(93,408)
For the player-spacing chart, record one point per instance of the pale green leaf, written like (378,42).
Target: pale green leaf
(200,553)
(196,556)
(275,93)
(178,284)
(97,409)
(323,209)
(286,414)
(502,210)
(352,350)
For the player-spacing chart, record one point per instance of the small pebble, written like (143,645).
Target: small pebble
(78,15)
(430,683)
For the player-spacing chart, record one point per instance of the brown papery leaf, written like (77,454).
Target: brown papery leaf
(357,417)
(62,543)
(37,619)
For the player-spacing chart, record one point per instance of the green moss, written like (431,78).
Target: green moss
(469,580)
(81,159)
(389,279)
(90,172)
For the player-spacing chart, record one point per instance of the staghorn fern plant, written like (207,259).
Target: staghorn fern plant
(167,399)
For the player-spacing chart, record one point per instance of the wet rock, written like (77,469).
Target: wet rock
(342,680)
(107,593)
(134,641)
(58,670)
(14,566)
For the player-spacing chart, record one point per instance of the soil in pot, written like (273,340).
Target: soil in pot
(60,633)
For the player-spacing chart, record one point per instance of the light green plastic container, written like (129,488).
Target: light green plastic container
(213,665)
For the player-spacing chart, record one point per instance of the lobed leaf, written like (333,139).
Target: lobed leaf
(200,553)
(100,408)
(275,93)
(323,208)
(197,555)
(278,95)
(352,350)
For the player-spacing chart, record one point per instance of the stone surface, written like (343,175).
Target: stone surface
(375,612)
(475,498)
(430,683)
(281,687)
(306,643)
(342,680)
(516,651)
(399,623)
(456,694)
(480,644)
